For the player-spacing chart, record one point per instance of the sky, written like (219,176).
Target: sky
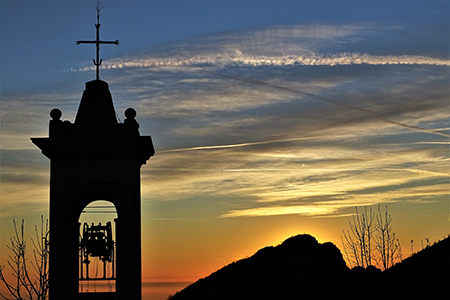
(269,118)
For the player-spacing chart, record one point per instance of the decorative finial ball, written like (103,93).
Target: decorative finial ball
(55,114)
(130,113)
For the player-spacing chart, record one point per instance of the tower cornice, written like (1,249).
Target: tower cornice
(139,148)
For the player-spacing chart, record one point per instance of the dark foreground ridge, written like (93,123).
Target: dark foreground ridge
(425,273)
(302,268)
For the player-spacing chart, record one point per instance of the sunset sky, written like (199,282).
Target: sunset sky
(269,118)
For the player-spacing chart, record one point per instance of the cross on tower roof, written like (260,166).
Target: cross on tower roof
(97,42)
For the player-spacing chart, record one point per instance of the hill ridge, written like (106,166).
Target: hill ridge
(301,267)
(272,271)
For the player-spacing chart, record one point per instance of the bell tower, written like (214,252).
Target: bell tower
(95,158)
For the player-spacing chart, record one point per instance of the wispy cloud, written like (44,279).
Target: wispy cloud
(273,117)
(277,46)
(239,59)
(331,208)
(293,177)
(24,183)
(369,112)
(282,210)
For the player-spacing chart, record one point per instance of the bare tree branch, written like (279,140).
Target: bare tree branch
(26,286)
(387,244)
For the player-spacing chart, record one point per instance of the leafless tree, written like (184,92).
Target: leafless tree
(357,241)
(388,246)
(370,243)
(27,285)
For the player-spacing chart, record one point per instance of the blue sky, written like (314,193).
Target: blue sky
(38,36)
(275,116)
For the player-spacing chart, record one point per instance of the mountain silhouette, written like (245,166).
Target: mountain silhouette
(303,268)
(298,266)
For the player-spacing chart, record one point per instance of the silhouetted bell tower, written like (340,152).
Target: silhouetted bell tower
(95,158)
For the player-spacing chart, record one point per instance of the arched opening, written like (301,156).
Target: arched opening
(97,255)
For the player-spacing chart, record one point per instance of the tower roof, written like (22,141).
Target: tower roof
(96,105)
(96,133)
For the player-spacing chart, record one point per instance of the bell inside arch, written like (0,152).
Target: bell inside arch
(97,259)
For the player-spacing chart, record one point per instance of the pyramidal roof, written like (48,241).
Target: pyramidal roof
(96,105)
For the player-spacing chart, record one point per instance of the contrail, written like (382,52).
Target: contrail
(236,145)
(258,82)
(367,111)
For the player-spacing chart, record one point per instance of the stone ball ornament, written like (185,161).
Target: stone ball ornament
(56,114)
(130,113)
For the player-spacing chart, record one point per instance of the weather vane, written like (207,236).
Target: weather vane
(97,42)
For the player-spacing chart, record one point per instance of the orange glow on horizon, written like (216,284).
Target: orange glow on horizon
(173,258)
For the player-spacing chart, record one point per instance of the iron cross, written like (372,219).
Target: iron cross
(97,42)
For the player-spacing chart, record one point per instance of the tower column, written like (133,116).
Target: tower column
(128,238)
